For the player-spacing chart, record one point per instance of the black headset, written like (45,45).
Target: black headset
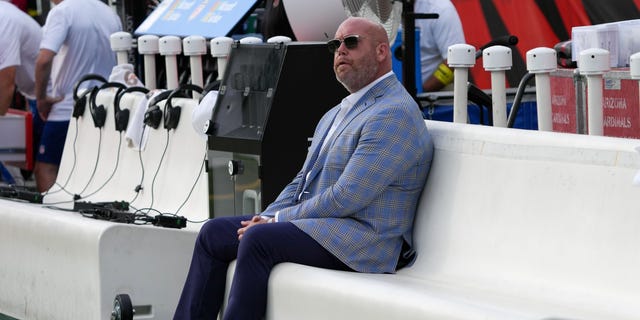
(171,113)
(99,112)
(122,115)
(81,101)
(153,115)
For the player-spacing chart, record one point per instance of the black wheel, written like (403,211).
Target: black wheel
(122,308)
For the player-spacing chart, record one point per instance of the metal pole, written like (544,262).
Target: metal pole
(593,63)
(461,57)
(541,62)
(408,45)
(498,59)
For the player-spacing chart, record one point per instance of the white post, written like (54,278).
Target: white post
(279,39)
(148,47)
(593,63)
(249,40)
(195,47)
(170,47)
(121,43)
(220,48)
(541,62)
(497,59)
(461,57)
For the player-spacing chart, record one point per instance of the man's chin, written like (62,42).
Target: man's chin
(346,84)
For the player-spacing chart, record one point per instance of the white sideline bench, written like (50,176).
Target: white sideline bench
(512,224)
(59,265)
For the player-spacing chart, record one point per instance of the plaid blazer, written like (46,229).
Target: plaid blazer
(358,197)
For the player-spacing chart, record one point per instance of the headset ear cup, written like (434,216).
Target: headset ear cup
(171,117)
(99,114)
(80,105)
(172,114)
(153,117)
(122,120)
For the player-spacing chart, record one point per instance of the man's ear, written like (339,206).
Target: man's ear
(382,51)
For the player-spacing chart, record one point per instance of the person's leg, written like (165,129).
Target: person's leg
(49,154)
(216,246)
(262,247)
(45,174)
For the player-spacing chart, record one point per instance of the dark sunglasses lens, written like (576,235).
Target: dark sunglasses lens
(351,42)
(333,45)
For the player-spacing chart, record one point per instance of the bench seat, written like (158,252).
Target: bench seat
(512,224)
(330,294)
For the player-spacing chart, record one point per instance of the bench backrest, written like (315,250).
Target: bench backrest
(524,211)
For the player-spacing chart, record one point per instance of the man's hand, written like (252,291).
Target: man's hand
(250,223)
(45,105)
(7,87)
(44,62)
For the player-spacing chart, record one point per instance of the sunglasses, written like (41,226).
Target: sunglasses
(351,42)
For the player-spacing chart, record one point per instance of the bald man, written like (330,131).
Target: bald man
(351,206)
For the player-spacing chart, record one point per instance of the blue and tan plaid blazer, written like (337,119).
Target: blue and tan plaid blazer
(358,198)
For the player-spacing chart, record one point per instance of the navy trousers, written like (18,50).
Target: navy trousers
(261,248)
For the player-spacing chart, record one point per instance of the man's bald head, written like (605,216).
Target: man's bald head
(371,57)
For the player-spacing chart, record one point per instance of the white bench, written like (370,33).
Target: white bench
(60,265)
(512,224)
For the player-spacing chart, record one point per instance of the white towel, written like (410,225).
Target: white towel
(137,135)
(124,74)
(203,112)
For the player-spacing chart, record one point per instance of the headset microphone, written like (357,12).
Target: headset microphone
(172,114)
(122,115)
(99,112)
(153,115)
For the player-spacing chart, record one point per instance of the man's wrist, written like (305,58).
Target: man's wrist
(444,74)
(268,219)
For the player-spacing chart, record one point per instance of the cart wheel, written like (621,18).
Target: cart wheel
(122,308)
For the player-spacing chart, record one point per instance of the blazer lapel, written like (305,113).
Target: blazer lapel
(316,161)
(315,151)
